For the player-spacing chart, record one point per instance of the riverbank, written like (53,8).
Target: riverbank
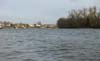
(4,24)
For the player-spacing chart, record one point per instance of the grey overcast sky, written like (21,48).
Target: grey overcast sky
(46,11)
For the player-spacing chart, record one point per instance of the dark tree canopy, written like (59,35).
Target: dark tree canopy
(85,18)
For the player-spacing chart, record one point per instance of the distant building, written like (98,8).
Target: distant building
(31,25)
(38,25)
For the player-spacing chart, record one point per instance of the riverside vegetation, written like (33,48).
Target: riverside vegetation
(84,18)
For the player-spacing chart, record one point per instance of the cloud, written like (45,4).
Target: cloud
(45,10)
(2,3)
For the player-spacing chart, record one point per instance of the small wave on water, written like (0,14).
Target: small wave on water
(50,45)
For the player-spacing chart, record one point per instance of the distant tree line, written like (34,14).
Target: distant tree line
(85,18)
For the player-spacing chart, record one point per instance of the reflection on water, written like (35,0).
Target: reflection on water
(50,45)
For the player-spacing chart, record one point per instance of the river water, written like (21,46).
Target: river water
(49,45)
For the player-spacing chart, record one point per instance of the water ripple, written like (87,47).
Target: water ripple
(50,45)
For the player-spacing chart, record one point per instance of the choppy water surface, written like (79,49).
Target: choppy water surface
(50,45)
